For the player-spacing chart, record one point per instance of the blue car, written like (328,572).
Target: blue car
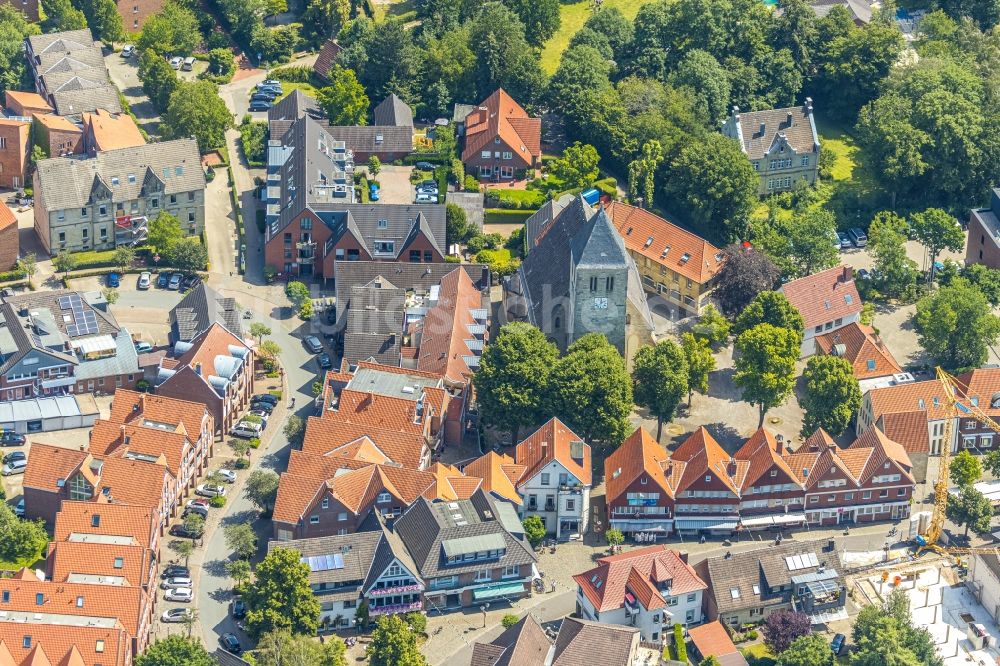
(114,279)
(373,191)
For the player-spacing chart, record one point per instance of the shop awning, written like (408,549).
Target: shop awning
(508,589)
(756,522)
(780,519)
(641,525)
(789,518)
(704,524)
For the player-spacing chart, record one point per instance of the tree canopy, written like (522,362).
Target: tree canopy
(765,368)
(171,32)
(281,597)
(832,395)
(175,650)
(745,273)
(344,100)
(195,109)
(770,307)
(394,644)
(956,325)
(660,380)
(965,469)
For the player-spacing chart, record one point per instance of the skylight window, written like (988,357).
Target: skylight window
(735,592)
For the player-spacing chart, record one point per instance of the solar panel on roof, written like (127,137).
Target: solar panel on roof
(65,303)
(324,562)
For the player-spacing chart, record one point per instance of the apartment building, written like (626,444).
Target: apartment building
(828,301)
(70,74)
(983,243)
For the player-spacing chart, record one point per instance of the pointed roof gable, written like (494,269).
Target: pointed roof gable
(865,350)
(763,452)
(555,441)
(824,297)
(638,571)
(638,454)
(500,116)
(522,644)
(499,474)
(704,456)
(599,245)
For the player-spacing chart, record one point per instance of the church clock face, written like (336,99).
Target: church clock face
(600,303)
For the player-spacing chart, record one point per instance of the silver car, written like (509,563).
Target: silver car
(175,583)
(14,467)
(145,280)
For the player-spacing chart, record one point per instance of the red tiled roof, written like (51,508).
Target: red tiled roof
(500,116)
(554,441)
(207,345)
(324,61)
(137,522)
(863,348)
(704,455)
(7,217)
(63,645)
(295,495)
(48,464)
(638,454)
(763,452)
(825,296)
(99,559)
(325,436)
(650,236)
(134,482)
(133,406)
(499,474)
(379,411)
(445,328)
(450,484)
(112,132)
(908,429)
(638,570)
(712,640)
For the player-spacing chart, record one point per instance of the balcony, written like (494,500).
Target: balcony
(550,506)
(398,608)
(385,591)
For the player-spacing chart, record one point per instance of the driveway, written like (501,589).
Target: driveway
(125,75)
(394,184)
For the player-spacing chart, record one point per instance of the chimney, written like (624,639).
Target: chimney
(809,106)
(846,275)
(683,555)
(545,450)
(197,368)
(788,118)
(762,128)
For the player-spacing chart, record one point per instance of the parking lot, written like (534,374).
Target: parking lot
(394,184)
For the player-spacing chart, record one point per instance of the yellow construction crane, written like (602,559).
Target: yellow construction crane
(956,409)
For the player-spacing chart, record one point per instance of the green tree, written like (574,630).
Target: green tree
(700,363)
(123,258)
(14,29)
(893,143)
(28,264)
(111,295)
(281,597)
(577,167)
(159,80)
(196,110)
(239,571)
(809,650)
(183,548)
(884,634)
(259,330)
(164,232)
(241,539)
(852,68)
(745,273)
(969,508)
(895,273)
(64,262)
(713,180)
(297,292)
(503,57)
(187,254)
(20,540)
(509,620)
(591,391)
(282,648)
(710,660)
(175,651)
(937,230)
(534,529)
(344,101)
(513,377)
(660,380)
(712,326)
(294,430)
(324,19)
(832,395)
(642,172)
(765,367)
(956,326)
(374,166)
(965,469)
(262,489)
(991,462)
(393,644)
(104,20)
(984,278)
(194,523)
(770,307)
(540,17)
(614,537)
(61,15)
(802,245)
(172,32)
(222,64)
(457,227)
(709,83)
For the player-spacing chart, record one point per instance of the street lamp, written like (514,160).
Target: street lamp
(485,607)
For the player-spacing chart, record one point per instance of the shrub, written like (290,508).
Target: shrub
(292,74)
(306,311)
(218,502)
(252,418)
(679,647)
(506,216)
(255,442)
(516,199)
(509,620)
(241,463)
(471,184)
(417,622)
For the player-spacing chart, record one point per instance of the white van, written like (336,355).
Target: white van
(188,64)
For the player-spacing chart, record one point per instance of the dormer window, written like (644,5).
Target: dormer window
(114,180)
(384,498)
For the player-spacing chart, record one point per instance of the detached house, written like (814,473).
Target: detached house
(500,139)
(873,363)
(557,479)
(827,301)
(781,144)
(650,588)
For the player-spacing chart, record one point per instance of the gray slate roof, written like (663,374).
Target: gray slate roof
(199,309)
(799,131)
(124,362)
(71,67)
(583,642)
(374,325)
(357,551)
(393,111)
(522,644)
(425,525)
(402,221)
(860,10)
(170,167)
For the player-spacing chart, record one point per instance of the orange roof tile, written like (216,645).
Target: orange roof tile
(136,408)
(499,115)
(99,559)
(327,436)
(450,484)
(703,455)
(712,640)
(908,429)
(207,345)
(763,452)
(863,348)
(78,518)
(499,473)
(638,454)
(48,464)
(882,450)
(445,328)
(321,467)
(28,100)
(825,296)
(134,482)
(554,441)
(295,495)
(59,123)
(105,601)
(651,236)
(63,645)
(606,584)
(380,411)
(982,385)
(111,132)
(927,397)
(7,217)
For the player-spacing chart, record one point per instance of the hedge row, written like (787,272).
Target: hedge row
(507,216)
(679,647)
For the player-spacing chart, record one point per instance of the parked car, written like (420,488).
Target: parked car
(11,438)
(373,192)
(145,279)
(196,507)
(176,61)
(230,643)
(426,198)
(837,644)
(427,187)
(324,361)
(424,166)
(128,51)
(19,508)
(259,105)
(210,490)
(181,594)
(227,475)
(239,609)
(265,397)
(14,455)
(114,279)
(858,237)
(14,467)
(142,347)
(270,82)
(247,430)
(191,281)
(845,240)
(175,281)
(264,408)
(313,344)
(264,96)
(174,570)
(162,280)
(175,583)
(176,615)
(180,531)
(864,274)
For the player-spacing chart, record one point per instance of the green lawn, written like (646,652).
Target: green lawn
(307,88)
(836,139)
(758,655)
(573,17)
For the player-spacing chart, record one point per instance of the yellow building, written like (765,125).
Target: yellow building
(674,263)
